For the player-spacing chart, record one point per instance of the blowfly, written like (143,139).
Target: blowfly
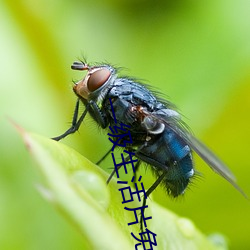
(159,136)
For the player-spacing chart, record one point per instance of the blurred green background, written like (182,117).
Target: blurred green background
(195,52)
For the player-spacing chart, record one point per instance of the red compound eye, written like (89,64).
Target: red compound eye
(97,79)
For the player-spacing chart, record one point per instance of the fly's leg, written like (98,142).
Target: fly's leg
(114,171)
(104,157)
(136,170)
(99,116)
(112,174)
(149,191)
(75,123)
(164,169)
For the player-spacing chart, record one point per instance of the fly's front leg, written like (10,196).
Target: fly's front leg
(75,123)
(99,116)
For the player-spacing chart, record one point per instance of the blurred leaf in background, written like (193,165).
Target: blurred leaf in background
(196,53)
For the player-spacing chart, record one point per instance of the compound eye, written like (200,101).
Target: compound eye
(97,79)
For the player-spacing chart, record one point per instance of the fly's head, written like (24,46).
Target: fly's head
(96,79)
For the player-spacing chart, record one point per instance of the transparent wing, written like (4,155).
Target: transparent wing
(207,155)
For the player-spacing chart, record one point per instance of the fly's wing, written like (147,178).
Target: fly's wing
(212,160)
(175,124)
(208,156)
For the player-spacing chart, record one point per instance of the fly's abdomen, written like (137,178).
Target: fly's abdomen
(178,176)
(180,166)
(168,154)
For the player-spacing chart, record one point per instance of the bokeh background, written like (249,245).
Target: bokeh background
(196,52)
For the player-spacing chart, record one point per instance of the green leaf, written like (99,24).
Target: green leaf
(78,189)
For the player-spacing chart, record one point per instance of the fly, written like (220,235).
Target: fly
(160,138)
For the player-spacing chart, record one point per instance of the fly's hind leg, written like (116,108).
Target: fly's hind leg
(149,191)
